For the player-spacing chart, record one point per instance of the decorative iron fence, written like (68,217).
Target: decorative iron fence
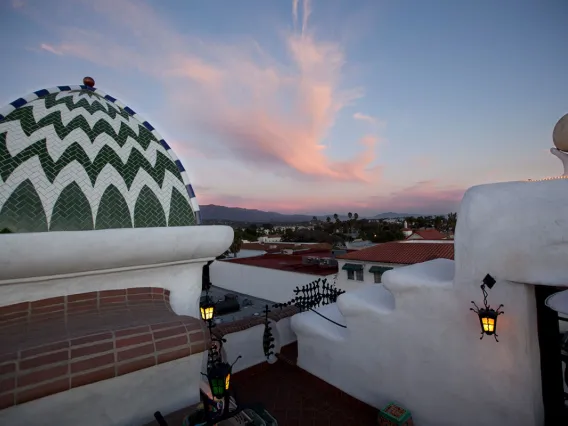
(314,295)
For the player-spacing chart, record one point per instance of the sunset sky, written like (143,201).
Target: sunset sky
(316,107)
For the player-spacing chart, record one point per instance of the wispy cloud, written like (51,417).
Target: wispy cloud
(364,117)
(260,111)
(424,197)
(18,4)
(51,49)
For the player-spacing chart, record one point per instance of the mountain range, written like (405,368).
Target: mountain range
(214,213)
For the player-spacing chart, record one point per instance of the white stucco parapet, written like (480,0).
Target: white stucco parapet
(434,274)
(515,231)
(315,325)
(372,299)
(558,302)
(29,256)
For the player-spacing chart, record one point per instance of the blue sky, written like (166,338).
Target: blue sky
(316,106)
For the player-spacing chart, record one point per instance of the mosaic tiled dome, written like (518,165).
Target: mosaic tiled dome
(74,158)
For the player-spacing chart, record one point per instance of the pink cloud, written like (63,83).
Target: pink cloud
(261,112)
(427,197)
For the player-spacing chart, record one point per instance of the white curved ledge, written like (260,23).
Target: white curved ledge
(44,254)
(313,325)
(558,302)
(370,300)
(437,273)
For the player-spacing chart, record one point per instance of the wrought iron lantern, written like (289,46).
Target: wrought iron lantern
(207,308)
(487,315)
(219,377)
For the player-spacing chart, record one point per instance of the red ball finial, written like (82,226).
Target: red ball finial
(89,81)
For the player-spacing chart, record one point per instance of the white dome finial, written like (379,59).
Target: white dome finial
(560,139)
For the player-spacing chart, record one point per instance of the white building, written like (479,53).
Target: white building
(270,239)
(271,276)
(366,266)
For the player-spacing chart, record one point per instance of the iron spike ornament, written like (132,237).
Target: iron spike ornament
(487,315)
(267,337)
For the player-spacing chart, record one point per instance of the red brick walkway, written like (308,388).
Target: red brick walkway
(295,397)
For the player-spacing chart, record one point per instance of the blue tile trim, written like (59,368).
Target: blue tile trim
(110,98)
(129,110)
(165,145)
(190,191)
(64,88)
(148,126)
(180,166)
(19,102)
(41,93)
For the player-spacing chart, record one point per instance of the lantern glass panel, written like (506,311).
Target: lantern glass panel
(207,312)
(488,324)
(217,386)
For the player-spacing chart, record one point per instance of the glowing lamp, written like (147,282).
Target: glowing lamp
(219,377)
(487,315)
(207,309)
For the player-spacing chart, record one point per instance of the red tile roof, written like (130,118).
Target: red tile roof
(403,252)
(286,262)
(281,246)
(429,234)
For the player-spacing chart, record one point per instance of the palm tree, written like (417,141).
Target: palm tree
(237,244)
(452,221)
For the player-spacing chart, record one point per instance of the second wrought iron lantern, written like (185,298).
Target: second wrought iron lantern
(487,315)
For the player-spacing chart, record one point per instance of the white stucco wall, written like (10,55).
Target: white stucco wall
(126,400)
(36,266)
(264,283)
(368,277)
(248,344)
(249,253)
(414,340)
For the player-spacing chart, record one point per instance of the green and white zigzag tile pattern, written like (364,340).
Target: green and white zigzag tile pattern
(74,158)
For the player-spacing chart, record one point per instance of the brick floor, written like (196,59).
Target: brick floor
(295,397)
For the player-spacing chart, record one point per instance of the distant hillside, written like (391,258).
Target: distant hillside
(392,215)
(212,212)
(237,214)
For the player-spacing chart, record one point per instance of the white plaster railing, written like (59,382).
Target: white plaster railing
(36,266)
(31,255)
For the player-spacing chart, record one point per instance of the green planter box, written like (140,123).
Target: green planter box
(395,415)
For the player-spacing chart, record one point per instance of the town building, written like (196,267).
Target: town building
(270,238)
(274,276)
(367,266)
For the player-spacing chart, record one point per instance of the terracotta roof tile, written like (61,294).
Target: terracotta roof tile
(429,234)
(287,262)
(403,253)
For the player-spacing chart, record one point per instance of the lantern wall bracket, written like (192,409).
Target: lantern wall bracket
(487,315)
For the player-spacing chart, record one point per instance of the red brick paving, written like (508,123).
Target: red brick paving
(294,397)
